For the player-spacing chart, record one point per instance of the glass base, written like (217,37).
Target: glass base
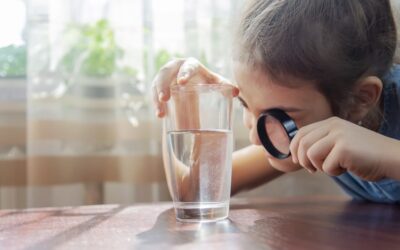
(201,212)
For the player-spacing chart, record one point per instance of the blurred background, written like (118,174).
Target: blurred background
(77,124)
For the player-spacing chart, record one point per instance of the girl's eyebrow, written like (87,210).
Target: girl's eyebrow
(242,101)
(286,109)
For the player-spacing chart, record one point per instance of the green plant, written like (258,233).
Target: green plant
(94,51)
(13,61)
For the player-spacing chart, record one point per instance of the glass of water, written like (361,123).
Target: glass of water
(199,143)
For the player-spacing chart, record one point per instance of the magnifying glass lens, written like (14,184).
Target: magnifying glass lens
(276,129)
(277,134)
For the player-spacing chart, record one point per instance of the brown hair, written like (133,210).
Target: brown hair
(330,42)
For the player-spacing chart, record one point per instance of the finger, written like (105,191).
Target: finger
(187,70)
(191,69)
(320,150)
(294,144)
(162,111)
(235,89)
(156,102)
(160,106)
(305,143)
(331,163)
(165,77)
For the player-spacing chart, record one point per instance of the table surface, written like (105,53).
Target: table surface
(287,223)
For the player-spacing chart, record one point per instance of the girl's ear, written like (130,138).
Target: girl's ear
(367,94)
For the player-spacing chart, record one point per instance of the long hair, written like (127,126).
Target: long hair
(331,43)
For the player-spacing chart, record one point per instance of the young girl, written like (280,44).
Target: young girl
(329,65)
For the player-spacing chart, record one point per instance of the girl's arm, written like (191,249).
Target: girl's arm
(250,169)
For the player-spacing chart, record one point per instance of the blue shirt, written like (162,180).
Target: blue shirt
(386,190)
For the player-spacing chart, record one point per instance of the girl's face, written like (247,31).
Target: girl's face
(259,92)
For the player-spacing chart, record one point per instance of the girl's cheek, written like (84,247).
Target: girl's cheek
(253,136)
(250,123)
(247,119)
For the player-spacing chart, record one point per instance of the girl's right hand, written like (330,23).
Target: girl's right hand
(181,71)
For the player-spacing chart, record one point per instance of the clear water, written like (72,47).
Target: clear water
(200,164)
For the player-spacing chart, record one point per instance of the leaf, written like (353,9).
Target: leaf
(13,60)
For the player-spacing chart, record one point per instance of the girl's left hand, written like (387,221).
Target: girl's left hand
(336,145)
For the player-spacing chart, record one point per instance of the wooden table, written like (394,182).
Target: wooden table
(290,223)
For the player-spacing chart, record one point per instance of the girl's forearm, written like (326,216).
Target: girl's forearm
(251,169)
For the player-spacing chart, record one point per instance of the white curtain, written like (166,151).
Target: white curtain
(89,133)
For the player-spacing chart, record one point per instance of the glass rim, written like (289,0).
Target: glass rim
(201,86)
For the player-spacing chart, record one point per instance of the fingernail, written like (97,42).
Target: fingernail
(185,75)
(161,96)
(235,92)
(311,171)
(159,111)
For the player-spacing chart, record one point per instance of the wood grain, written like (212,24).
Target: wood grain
(290,223)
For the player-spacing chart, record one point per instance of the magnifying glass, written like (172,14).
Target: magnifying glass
(276,129)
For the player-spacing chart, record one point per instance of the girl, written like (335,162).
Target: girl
(328,65)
